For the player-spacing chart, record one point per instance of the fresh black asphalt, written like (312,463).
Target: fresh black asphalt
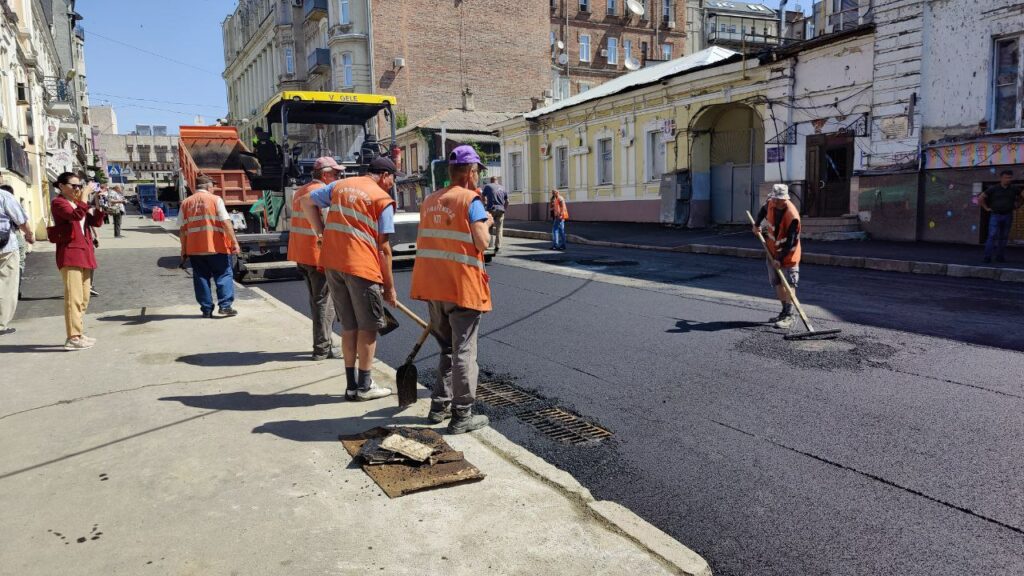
(894,450)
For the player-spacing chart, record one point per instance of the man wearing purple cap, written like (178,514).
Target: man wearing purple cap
(449,275)
(304,250)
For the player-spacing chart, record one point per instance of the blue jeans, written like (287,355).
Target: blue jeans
(216,267)
(558,234)
(998,234)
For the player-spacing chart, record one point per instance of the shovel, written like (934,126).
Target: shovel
(406,378)
(811,332)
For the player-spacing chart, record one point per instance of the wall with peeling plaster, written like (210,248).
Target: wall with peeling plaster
(956,90)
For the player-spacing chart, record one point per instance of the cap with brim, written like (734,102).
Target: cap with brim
(326,163)
(465,155)
(385,164)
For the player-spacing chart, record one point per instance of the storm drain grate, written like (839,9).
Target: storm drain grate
(502,395)
(564,427)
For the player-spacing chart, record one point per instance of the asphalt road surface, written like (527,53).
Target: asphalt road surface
(896,449)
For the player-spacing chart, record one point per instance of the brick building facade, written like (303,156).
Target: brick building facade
(427,56)
(598,37)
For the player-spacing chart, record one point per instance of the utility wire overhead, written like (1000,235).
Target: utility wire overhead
(151,53)
(119,97)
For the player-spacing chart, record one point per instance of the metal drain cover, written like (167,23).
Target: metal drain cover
(502,395)
(560,425)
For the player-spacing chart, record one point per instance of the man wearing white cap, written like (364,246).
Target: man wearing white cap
(304,250)
(781,220)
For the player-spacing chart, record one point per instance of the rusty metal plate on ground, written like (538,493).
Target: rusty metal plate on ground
(502,395)
(564,427)
(401,479)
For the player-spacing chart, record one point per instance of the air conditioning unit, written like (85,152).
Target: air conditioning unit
(549,93)
(671,25)
(604,52)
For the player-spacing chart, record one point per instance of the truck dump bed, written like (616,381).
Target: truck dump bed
(216,151)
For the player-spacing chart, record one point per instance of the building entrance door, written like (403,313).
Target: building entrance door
(829,170)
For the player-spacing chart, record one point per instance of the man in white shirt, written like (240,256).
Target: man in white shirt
(12,217)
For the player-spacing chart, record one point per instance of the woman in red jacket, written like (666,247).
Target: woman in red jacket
(73,218)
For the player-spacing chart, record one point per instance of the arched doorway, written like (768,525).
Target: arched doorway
(727,163)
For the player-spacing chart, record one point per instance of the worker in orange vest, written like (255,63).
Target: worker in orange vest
(449,275)
(357,255)
(304,250)
(208,241)
(782,222)
(559,214)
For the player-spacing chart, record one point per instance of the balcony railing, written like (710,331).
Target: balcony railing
(316,9)
(740,38)
(319,61)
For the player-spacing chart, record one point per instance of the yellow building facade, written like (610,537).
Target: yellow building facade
(646,152)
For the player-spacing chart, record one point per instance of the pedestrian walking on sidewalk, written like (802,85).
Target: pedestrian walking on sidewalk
(1000,200)
(496,202)
(102,199)
(782,220)
(559,214)
(12,219)
(449,275)
(304,250)
(208,241)
(356,254)
(116,204)
(75,214)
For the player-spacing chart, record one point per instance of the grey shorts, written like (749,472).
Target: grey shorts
(358,301)
(792,274)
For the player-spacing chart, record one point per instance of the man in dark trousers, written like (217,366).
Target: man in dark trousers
(782,220)
(496,202)
(1000,201)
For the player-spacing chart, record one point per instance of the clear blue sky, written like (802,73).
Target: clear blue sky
(160,61)
(156,61)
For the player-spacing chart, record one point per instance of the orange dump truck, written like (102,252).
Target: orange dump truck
(218,152)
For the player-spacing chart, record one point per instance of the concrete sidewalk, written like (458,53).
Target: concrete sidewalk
(187,446)
(953,260)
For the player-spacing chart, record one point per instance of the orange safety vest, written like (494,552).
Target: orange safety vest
(302,246)
(448,266)
(350,235)
(558,209)
(777,237)
(204,230)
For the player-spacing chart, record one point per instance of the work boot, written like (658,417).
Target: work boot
(229,311)
(785,323)
(333,353)
(463,420)
(439,413)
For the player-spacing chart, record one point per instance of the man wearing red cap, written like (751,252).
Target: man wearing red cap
(304,250)
(449,275)
(357,255)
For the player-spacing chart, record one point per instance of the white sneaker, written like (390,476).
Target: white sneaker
(78,343)
(91,341)
(373,393)
(785,323)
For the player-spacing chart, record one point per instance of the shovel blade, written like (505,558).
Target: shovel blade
(406,379)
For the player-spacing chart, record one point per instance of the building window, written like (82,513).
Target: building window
(515,160)
(583,87)
(666,10)
(584,48)
(604,161)
(289,61)
(666,51)
(1006,84)
(655,156)
(346,69)
(584,6)
(627,49)
(343,15)
(611,7)
(559,86)
(562,167)
(413,160)
(613,50)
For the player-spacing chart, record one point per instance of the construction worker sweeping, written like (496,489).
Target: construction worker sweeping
(781,220)
(449,275)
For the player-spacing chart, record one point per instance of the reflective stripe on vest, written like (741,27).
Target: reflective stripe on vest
(204,231)
(302,246)
(449,267)
(351,235)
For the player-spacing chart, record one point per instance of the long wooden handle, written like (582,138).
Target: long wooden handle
(411,314)
(419,344)
(781,275)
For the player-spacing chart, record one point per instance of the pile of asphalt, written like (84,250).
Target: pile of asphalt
(845,352)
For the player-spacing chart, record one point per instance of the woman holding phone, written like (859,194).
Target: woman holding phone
(75,213)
